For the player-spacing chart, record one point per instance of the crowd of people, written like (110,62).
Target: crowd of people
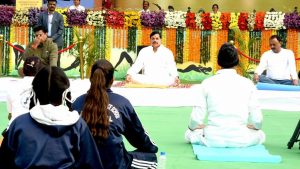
(48,130)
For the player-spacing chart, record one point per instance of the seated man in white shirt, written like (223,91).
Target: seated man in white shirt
(157,65)
(229,101)
(279,64)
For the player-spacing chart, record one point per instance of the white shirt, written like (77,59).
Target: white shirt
(155,64)
(229,101)
(18,99)
(78,8)
(50,17)
(279,66)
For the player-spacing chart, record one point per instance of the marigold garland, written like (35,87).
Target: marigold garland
(265,35)
(186,47)
(292,41)
(171,39)
(214,50)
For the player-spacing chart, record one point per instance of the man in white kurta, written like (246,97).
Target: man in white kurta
(279,64)
(156,63)
(229,102)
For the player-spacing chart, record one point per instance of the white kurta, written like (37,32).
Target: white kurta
(157,67)
(229,102)
(279,66)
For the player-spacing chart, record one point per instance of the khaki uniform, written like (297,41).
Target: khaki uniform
(46,51)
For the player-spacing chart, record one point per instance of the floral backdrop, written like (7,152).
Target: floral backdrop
(194,38)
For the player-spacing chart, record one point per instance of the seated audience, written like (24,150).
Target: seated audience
(279,64)
(229,101)
(110,116)
(50,135)
(156,63)
(18,99)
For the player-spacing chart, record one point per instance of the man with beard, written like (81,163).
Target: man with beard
(279,64)
(156,63)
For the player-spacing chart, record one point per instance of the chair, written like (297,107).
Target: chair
(295,137)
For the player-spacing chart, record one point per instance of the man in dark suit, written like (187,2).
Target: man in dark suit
(54,22)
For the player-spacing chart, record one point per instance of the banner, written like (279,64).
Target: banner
(25,4)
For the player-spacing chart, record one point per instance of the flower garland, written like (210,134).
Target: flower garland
(179,45)
(199,21)
(243,21)
(33,15)
(132,37)
(234,18)
(20,17)
(274,20)
(76,18)
(216,22)
(186,47)
(254,45)
(175,19)
(205,46)
(225,20)
(206,21)
(190,20)
(171,39)
(259,21)
(292,20)
(132,19)
(95,18)
(6,15)
(115,18)
(251,21)
(153,19)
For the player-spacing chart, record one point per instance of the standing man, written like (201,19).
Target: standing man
(54,22)
(279,64)
(156,63)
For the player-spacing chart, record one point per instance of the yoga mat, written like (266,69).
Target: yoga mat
(278,87)
(257,154)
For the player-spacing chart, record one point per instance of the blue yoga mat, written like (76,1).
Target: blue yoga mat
(257,154)
(278,87)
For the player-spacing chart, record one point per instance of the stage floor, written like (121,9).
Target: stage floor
(169,97)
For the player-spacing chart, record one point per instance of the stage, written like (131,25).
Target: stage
(170,97)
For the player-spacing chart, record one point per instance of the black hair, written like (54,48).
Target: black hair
(228,56)
(40,27)
(154,33)
(49,84)
(275,37)
(32,65)
(52,1)
(215,5)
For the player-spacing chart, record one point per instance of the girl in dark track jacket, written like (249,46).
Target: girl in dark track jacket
(109,116)
(50,136)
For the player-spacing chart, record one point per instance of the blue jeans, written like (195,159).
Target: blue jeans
(264,79)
